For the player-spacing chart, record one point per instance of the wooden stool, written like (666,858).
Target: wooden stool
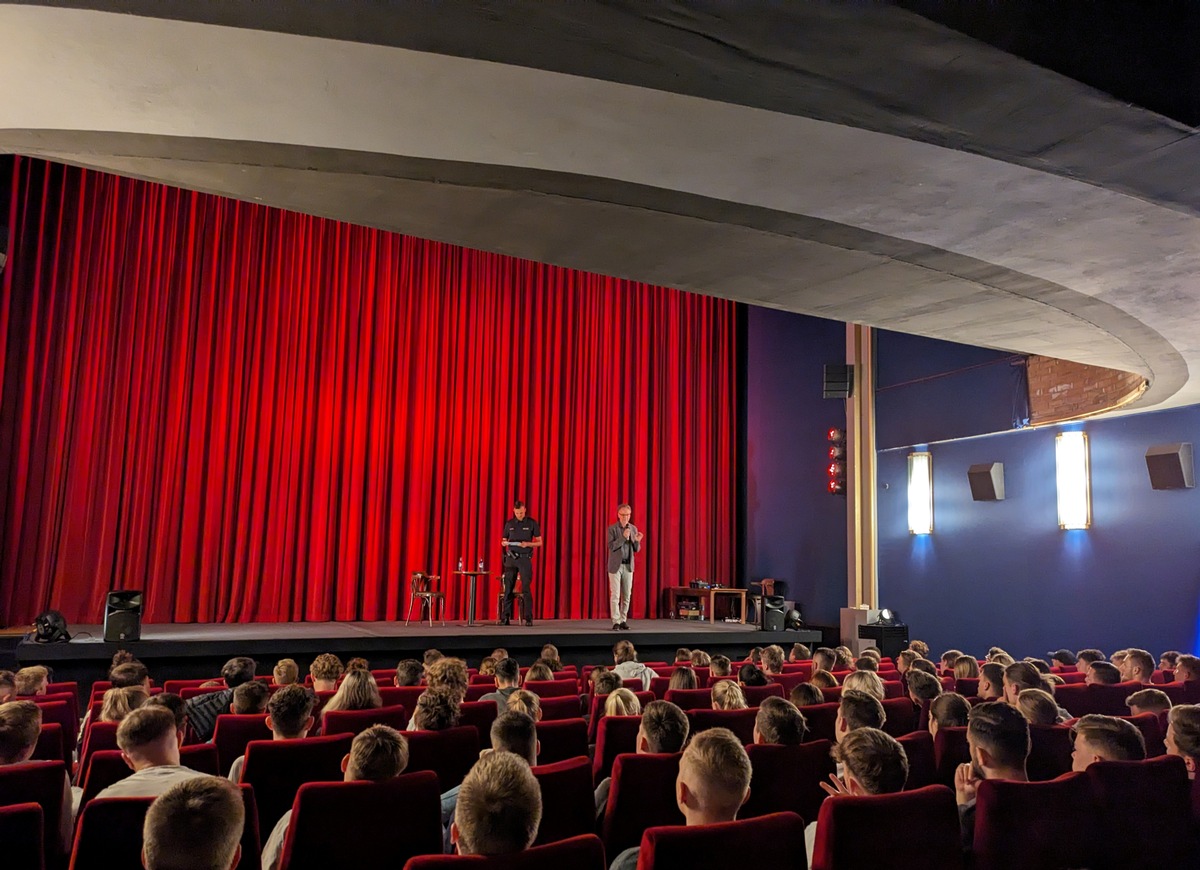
(424,589)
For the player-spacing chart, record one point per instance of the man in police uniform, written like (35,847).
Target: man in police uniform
(521,535)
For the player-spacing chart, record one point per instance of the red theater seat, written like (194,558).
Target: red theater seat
(21,832)
(968,687)
(478,690)
(822,720)
(597,710)
(277,768)
(1152,733)
(479,715)
(832,694)
(776,840)
(577,853)
(107,767)
(740,722)
(42,783)
(617,735)
(62,714)
(553,688)
(233,731)
(561,739)
(922,766)
(787,778)
(950,750)
(568,801)
(408,808)
(450,753)
(354,722)
(51,745)
(561,708)
(755,695)
(642,795)
(1035,824)
(690,699)
(1143,810)
(408,695)
(901,716)
(659,686)
(1049,752)
(910,829)
(97,736)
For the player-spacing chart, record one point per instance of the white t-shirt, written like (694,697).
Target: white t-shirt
(272,853)
(150,781)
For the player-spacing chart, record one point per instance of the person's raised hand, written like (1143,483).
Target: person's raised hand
(835,786)
(966,784)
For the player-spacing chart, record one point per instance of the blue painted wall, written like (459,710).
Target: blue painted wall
(1004,573)
(795,531)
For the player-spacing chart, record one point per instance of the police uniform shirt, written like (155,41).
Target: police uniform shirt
(520,530)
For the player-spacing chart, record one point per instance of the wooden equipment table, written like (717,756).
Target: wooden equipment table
(674,593)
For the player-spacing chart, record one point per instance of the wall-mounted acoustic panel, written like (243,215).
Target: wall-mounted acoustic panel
(1170,466)
(987,481)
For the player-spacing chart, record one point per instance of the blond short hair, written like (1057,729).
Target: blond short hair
(286,672)
(622,702)
(875,759)
(144,727)
(966,666)
(773,658)
(865,681)
(716,768)
(30,680)
(194,825)
(499,806)
(823,679)
(728,695)
(1184,721)
(1117,739)
(20,725)
(119,703)
(1149,700)
(524,701)
(377,754)
(1037,706)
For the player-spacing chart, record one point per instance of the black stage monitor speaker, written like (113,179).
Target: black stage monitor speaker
(987,481)
(839,381)
(50,626)
(1170,466)
(123,616)
(773,612)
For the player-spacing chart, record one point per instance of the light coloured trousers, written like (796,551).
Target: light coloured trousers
(620,587)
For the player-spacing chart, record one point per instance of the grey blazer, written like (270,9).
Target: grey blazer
(616,547)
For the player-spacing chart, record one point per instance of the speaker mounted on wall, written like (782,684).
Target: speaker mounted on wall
(987,481)
(838,382)
(1170,466)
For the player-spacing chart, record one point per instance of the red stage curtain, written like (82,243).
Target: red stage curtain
(256,415)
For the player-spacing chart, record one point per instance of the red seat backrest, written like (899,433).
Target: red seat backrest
(479,715)
(616,735)
(323,812)
(60,713)
(690,699)
(394,696)
(1080,700)
(1034,824)
(642,795)
(634,685)
(659,686)
(1050,748)
(233,731)
(385,677)
(950,750)
(1072,677)
(176,687)
(821,720)
(922,767)
(568,802)
(831,694)
(51,746)
(98,736)
(561,708)
(478,690)
(189,692)
(597,711)
(577,853)
(42,783)
(483,680)
(553,688)
(775,840)
(450,753)
(901,716)
(201,757)
(755,695)
(893,689)
(740,722)
(1132,798)
(561,739)
(788,778)
(910,829)
(968,687)
(277,768)
(21,831)
(106,767)
(68,688)
(1152,733)
(356,721)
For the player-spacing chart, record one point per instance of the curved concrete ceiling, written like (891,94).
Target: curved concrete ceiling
(863,165)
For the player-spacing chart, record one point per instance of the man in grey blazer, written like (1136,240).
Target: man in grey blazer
(623,541)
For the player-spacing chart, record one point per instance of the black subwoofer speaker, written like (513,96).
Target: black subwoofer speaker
(123,615)
(773,611)
(1170,466)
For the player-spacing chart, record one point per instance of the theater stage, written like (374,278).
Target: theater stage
(199,649)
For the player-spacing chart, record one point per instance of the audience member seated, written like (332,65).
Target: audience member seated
(949,659)
(991,682)
(539,672)
(499,653)
(285,672)
(430,657)
(358,663)
(728,695)
(866,663)
(1038,706)
(32,681)
(516,733)
(174,703)
(778,721)
(713,783)
(720,666)
(683,655)
(1148,701)
(823,659)
(8,686)
(499,807)
(357,692)
(451,674)
(749,675)
(683,678)
(1102,674)
(1183,735)
(843,659)
(920,648)
(130,673)
(802,695)
(1063,658)
(922,687)
(948,710)
(195,824)
(874,653)
(604,681)
(522,701)
(487,667)
(904,661)
(377,754)
(409,672)
(629,668)
(925,666)
(871,763)
(998,740)
(857,710)
(622,702)
(1168,660)
(1187,669)
(1018,677)
(1000,656)
(1137,666)
(1105,738)
(119,703)
(437,710)
(250,698)
(289,716)
(149,743)
(325,671)
(203,710)
(823,679)
(867,681)
(1085,657)
(966,667)
(20,726)
(701,659)
(799,653)
(1041,665)
(551,657)
(664,728)
(508,679)
(772,661)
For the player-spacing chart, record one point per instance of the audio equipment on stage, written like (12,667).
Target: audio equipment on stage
(123,616)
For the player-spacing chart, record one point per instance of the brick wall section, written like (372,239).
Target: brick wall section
(1062,390)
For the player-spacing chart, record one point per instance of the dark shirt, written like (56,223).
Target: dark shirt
(203,710)
(520,530)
